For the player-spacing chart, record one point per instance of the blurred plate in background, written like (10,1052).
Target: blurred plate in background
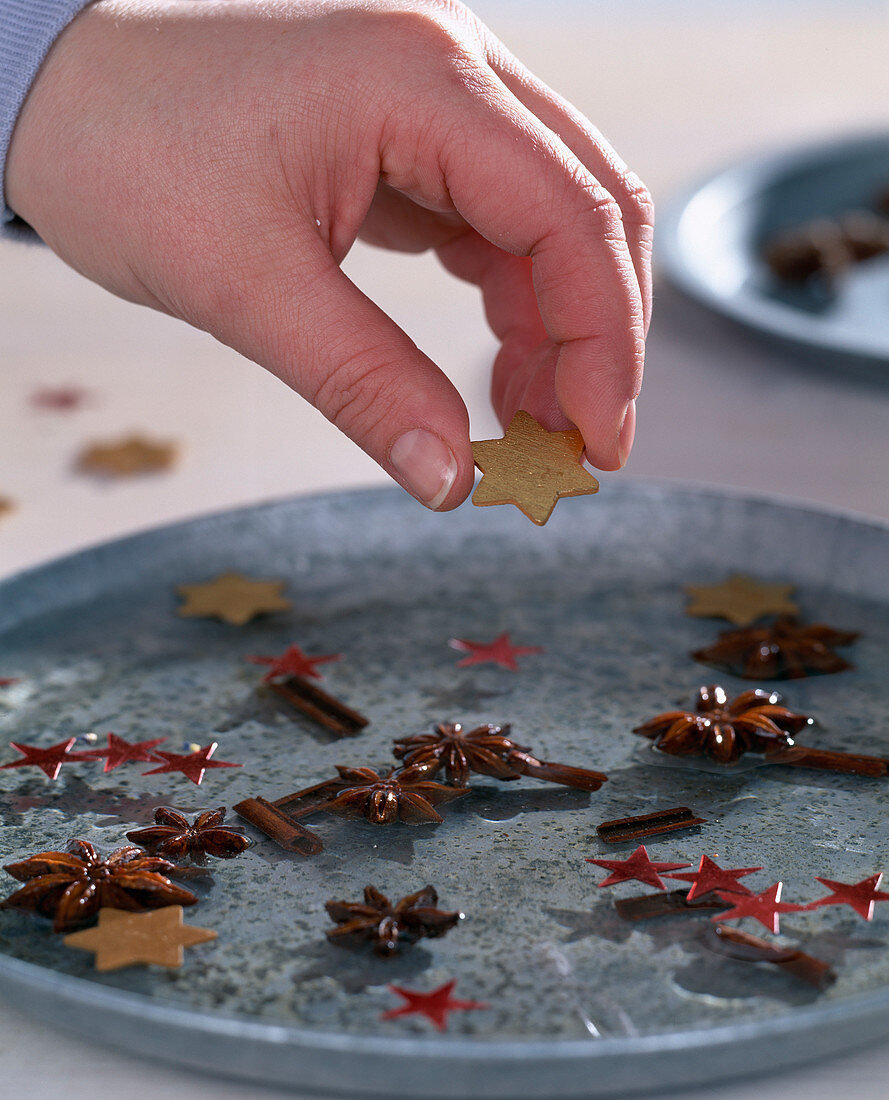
(710,246)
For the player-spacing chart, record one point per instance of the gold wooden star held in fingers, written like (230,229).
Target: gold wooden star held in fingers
(531,468)
(740,599)
(128,939)
(233,598)
(127,457)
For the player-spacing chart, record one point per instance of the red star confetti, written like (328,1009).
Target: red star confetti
(764,907)
(120,752)
(435,1006)
(860,896)
(49,760)
(61,399)
(293,662)
(192,764)
(638,868)
(710,877)
(499,652)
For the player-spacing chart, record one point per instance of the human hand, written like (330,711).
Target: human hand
(216,159)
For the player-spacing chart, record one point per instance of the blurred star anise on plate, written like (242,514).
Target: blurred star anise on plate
(174,837)
(73,886)
(783,650)
(386,926)
(724,730)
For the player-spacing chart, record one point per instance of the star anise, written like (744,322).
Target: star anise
(753,722)
(73,886)
(458,751)
(385,925)
(407,795)
(784,650)
(489,751)
(175,837)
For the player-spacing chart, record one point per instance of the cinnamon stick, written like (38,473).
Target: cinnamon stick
(322,708)
(673,903)
(846,763)
(279,826)
(645,825)
(748,948)
(567,775)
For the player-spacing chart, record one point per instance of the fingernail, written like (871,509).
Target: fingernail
(425,464)
(627,434)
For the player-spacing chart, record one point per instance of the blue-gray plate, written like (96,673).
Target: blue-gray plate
(710,244)
(580,1002)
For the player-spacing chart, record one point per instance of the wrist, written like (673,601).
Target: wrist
(28,31)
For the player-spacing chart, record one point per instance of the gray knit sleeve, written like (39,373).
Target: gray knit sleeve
(28,29)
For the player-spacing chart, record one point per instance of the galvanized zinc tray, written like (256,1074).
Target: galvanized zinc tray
(581,1003)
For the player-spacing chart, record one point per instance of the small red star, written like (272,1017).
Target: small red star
(638,868)
(293,662)
(48,760)
(435,1006)
(8,681)
(764,907)
(62,399)
(125,752)
(192,764)
(710,876)
(499,652)
(860,896)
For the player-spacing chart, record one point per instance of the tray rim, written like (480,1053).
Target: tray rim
(841,1027)
(628,483)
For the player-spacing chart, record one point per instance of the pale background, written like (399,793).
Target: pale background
(680,89)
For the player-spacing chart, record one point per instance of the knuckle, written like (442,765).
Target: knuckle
(450,9)
(356,394)
(432,30)
(604,210)
(443,42)
(592,200)
(639,203)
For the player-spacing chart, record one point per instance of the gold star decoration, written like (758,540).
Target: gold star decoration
(531,468)
(127,939)
(6,506)
(232,597)
(127,457)
(740,599)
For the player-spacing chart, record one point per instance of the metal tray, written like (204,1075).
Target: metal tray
(581,1003)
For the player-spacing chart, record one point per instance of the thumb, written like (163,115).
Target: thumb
(307,323)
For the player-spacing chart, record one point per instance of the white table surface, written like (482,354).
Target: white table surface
(679,89)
